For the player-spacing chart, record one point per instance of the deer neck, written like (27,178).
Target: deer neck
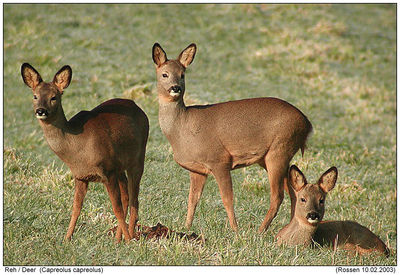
(299,232)
(56,132)
(169,115)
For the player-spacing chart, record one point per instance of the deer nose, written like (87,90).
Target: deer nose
(176,89)
(41,113)
(313,217)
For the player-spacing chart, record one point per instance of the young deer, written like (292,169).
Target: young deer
(215,139)
(97,145)
(307,227)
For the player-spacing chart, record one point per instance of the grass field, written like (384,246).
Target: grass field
(337,63)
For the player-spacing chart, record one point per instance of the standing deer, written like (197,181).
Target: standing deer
(307,226)
(97,145)
(217,138)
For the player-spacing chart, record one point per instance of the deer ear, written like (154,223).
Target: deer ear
(159,56)
(30,76)
(63,77)
(187,55)
(296,178)
(328,180)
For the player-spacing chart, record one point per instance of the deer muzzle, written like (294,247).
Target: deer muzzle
(41,113)
(313,217)
(175,90)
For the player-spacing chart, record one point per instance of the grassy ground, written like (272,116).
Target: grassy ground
(334,62)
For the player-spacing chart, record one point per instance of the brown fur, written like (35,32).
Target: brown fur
(310,198)
(97,145)
(216,138)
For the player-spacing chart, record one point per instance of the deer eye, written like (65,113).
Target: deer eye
(34,97)
(321,201)
(53,98)
(303,200)
(165,75)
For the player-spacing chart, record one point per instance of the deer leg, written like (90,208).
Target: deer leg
(134,176)
(224,180)
(197,182)
(115,197)
(289,189)
(123,187)
(277,172)
(80,193)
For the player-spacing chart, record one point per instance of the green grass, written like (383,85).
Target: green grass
(337,63)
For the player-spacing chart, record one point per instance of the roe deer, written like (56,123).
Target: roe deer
(214,139)
(97,145)
(307,227)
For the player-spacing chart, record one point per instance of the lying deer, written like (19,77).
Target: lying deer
(307,227)
(97,145)
(217,138)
